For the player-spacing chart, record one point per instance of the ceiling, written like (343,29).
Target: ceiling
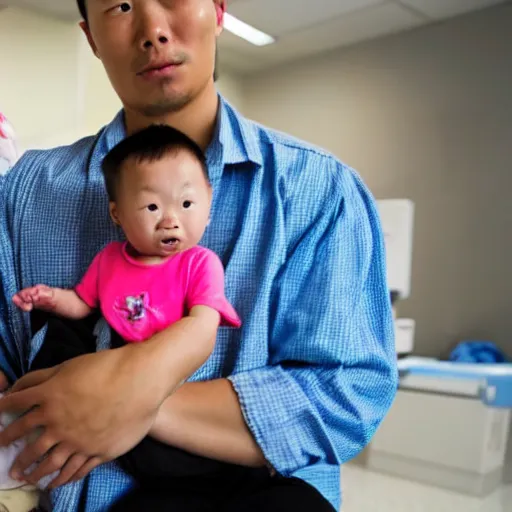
(306,27)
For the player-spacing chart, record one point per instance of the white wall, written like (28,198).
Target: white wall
(38,76)
(102,103)
(425,115)
(230,86)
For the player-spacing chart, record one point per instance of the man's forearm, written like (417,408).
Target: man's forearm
(205,418)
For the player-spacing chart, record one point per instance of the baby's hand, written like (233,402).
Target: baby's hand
(39,297)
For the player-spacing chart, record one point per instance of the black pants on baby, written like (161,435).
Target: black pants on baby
(169,478)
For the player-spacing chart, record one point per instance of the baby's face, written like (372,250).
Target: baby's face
(163,206)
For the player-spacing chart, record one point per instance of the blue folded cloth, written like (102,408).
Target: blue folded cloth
(477,352)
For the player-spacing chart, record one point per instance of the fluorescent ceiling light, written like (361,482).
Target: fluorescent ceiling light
(245,31)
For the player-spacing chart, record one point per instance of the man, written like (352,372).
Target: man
(305,383)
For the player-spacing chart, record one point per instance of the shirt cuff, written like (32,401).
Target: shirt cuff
(271,404)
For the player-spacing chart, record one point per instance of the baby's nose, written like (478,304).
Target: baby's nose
(169,222)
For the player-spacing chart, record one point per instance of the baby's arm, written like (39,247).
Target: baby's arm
(65,303)
(209,307)
(189,342)
(184,346)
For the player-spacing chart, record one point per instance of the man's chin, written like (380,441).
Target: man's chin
(167,105)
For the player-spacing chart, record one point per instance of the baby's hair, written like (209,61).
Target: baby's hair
(148,145)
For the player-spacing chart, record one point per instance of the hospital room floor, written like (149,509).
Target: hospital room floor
(365,491)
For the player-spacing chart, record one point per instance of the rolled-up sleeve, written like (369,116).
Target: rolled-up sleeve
(332,373)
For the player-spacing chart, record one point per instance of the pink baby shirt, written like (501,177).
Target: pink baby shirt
(139,300)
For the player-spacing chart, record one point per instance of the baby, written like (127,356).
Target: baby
(160,195)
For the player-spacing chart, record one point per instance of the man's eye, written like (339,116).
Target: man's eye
(187,204)
(152,207)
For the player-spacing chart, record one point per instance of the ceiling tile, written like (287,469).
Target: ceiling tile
(439,9)
(345,30)
(304,27)
(279,17)
(240,55)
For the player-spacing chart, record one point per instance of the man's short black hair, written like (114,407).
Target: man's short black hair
(82,8)
(148,145)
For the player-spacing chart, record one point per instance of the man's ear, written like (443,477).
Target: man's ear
(85,29)
(220,8)
(112,208)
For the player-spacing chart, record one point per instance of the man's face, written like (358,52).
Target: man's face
(158,54)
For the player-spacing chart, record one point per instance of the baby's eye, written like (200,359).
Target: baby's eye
(125,7)
(187,204)
(152,207)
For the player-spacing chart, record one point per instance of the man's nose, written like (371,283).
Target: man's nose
(154,30)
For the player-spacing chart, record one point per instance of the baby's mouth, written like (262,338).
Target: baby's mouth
(170,241)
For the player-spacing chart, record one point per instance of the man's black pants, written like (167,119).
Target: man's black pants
(258,493)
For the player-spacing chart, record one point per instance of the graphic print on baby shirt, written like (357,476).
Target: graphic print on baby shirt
(135,317)
(135,308)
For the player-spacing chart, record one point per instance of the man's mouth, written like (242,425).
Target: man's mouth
(159,69)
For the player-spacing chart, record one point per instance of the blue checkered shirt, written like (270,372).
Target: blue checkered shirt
(300,238)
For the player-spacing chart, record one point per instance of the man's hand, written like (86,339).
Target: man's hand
(91,410)
(97,407)
(39,297)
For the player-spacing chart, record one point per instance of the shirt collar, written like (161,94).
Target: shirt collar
(115,132)
(234,141)
(236,136)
